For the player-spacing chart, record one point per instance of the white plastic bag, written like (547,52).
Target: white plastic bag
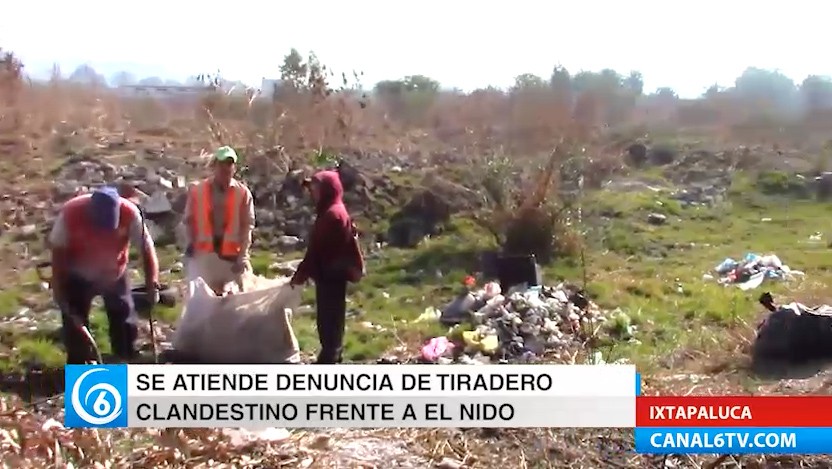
(214,271)
(249,327)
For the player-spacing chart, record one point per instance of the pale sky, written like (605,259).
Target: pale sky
(468,44)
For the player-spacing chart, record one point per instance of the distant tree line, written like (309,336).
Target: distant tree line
(769,90)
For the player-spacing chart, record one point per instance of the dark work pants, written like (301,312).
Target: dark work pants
(331,303)
(121,314)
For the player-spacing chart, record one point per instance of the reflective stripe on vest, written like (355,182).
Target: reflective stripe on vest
(202,203)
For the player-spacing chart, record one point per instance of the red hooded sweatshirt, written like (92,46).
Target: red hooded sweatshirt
(331,236)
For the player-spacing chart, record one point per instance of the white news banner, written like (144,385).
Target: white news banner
(369,396)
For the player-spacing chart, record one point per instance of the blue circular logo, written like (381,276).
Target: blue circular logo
(100,404)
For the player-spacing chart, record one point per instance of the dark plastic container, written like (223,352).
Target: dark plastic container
(515,270)
(489,261)
(167,297)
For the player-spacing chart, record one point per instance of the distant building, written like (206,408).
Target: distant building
(269,86)
(160,91)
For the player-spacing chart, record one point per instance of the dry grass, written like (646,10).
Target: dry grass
(33,440)
(44,119)
(41,123)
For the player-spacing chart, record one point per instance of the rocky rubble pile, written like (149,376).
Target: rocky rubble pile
(161,189)
(703,177)
(159,181)
(522,324)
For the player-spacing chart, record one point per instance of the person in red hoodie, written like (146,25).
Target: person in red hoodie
(90,243)
(333,258)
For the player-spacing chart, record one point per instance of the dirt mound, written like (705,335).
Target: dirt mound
(429,209)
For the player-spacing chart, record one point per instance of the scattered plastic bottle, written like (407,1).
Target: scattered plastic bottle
(727,265)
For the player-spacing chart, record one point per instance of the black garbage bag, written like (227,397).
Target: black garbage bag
(793,333)
(167,297)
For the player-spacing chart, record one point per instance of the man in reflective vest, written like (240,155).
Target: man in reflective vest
(219,220)
(90,243)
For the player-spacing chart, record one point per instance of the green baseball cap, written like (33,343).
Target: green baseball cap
(225,153)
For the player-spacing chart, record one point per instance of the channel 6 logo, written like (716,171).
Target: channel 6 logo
(96,396)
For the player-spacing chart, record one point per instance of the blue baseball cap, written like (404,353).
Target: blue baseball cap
(105,208)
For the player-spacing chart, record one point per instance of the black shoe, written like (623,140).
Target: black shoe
(327,361)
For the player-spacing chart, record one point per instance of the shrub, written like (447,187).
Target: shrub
(532,221)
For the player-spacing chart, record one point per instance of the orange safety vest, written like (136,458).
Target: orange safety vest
(203,225)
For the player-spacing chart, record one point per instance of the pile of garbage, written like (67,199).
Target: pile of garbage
(753,270)
(521,324)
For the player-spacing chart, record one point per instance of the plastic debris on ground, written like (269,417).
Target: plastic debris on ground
(430,314)
(753,270)
(436,348)
(519,325)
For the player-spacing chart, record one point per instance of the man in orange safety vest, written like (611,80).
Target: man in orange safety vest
(219,220)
